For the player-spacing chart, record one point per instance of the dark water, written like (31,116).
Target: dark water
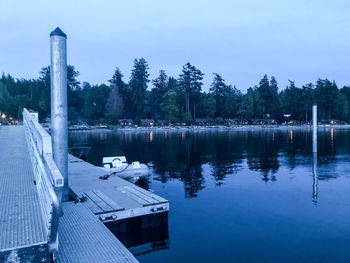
(241,196)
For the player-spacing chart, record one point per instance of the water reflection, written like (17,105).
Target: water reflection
(332,135)
(151,137)
(332,138)
(243,189)
(315,178)
(187,155)
(291,136)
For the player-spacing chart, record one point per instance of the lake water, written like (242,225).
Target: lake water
(240,196)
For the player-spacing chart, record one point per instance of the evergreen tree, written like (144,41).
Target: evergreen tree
(255,104)
(138,86)
(161,83)
(345,103)
(275,108)
(45,99)
(95,101)
(160,87)
(292,104)
(72,75)
(190,82)
(168,106)
(121,93)
(232,102)
(75,98)
(326,94)
(207,105)
(268,92)
(114,105)
(307,99)
(173,84)
(220,92)
(4,97)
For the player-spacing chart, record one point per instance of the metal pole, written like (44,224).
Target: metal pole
(59,126)
(315,178)
(314,127)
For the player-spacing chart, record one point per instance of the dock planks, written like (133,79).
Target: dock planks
(111,199)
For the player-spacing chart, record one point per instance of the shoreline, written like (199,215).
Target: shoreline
(206,128)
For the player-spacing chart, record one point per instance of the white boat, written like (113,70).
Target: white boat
(117,165)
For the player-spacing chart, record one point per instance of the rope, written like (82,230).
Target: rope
(106,176)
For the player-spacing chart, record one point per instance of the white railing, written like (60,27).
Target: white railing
(49,181)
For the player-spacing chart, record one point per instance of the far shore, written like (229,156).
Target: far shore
(96,129)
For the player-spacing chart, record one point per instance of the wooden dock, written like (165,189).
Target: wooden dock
(113,199)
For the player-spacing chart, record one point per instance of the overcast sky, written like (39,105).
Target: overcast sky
(300,40)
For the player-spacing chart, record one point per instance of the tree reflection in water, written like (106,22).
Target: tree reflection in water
(181,155)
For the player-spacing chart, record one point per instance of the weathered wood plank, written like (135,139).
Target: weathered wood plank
(150,194)
(93,207)
(109,201)
(141,195)
(128,193)
(98,201)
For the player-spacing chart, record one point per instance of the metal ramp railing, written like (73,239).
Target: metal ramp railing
(48,179)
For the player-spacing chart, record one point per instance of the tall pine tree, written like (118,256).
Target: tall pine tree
(138,87)
(220,92)
(160,87)
(190,81)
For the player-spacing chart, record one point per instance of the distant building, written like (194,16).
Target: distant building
(336,122)
(262,122)
(163,122)
(236,121)
(204,121)
(125,122)
(177,122)
(147,122)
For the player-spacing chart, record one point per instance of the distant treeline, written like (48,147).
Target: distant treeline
(171,98)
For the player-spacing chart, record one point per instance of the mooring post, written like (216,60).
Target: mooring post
(59,125)
(314,128)
(314,153)
(315,178)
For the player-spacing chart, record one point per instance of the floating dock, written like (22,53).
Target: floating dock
(113,199)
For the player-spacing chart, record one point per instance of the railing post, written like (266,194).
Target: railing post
(59,126)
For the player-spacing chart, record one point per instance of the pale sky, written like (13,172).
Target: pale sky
(300,40)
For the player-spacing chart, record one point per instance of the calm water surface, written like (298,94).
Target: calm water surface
(240,196)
